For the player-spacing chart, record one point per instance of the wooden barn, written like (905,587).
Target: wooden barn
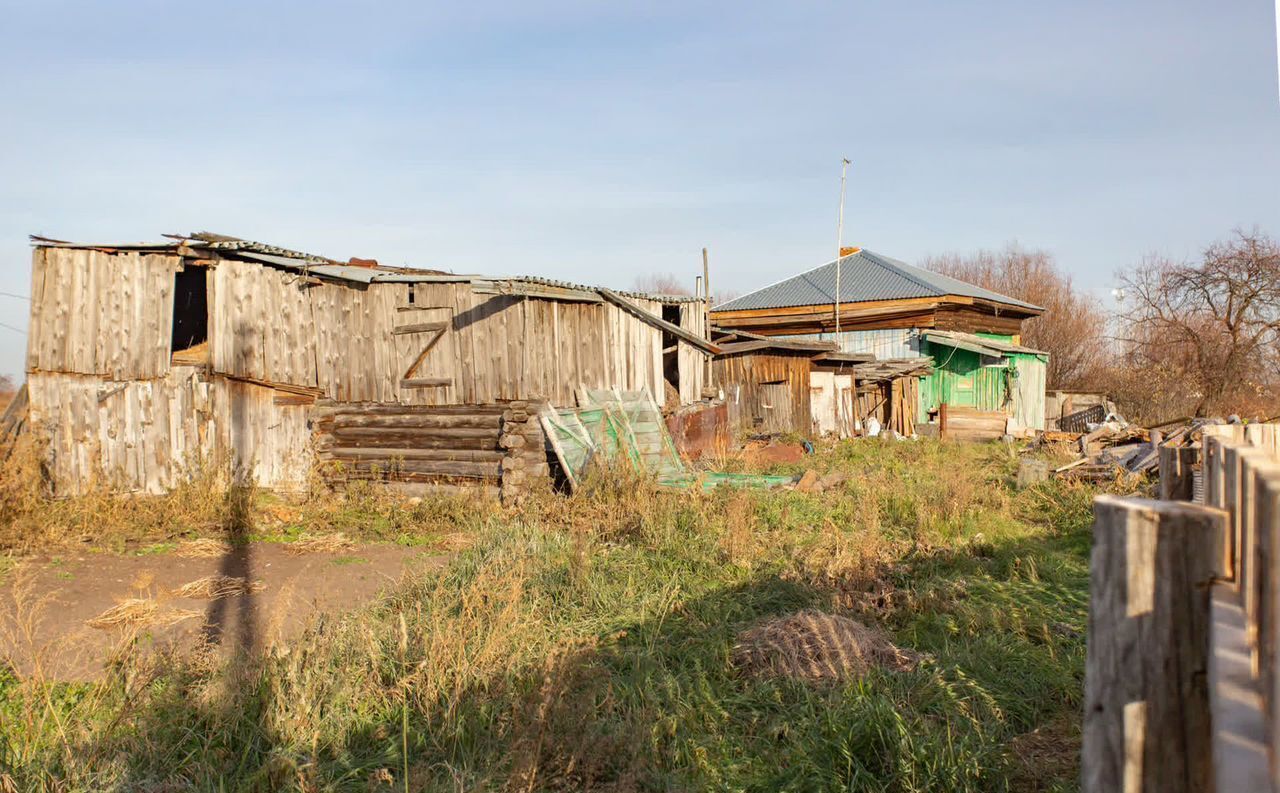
(146,359)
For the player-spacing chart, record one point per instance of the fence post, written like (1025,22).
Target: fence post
(1146,720)
(1176,480)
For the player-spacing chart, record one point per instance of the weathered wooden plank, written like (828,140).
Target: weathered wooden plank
(1147,726)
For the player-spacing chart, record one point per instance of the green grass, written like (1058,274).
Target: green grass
(586,644)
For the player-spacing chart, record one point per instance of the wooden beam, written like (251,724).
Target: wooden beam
(426,382)
(420,327)
(658,322)
(544,291)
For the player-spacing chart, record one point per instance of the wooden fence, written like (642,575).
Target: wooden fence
(1181,683)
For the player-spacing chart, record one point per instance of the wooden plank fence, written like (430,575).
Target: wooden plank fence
(1182,685)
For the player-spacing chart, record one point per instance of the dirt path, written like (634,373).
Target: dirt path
(46,602)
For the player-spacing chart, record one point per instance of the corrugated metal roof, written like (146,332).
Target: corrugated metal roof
(864,276)
(330,268)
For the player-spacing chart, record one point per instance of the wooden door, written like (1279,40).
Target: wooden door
(775,407)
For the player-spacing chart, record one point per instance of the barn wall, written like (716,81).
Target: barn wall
(102,314)
(260,324)
(692,363)
(495,348)
(145,435)
(742,375)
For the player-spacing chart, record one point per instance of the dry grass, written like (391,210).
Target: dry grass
(818,648)
(631,638)
(139,613)
(218,586)
(324,543)
(203,548)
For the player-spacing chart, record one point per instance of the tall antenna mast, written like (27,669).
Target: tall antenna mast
(844,170)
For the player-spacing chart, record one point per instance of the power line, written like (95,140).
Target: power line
(12,294)
(11,327)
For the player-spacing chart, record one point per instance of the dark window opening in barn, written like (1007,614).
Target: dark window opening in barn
(670,349)
(190,308)
(411,295)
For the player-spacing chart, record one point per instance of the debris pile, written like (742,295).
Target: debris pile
(1112,446)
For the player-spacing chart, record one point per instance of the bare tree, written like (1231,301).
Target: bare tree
(1211,329)
(1072,328)
(661,284)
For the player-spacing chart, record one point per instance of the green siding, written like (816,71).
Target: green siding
(1015,383)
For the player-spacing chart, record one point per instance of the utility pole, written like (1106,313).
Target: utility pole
(844,170)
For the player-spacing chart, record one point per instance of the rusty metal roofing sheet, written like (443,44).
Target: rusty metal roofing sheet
(864,276)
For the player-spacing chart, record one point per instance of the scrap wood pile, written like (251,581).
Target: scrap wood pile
(1112,446)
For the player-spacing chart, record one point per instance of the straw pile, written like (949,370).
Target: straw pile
(138,612)
(817,647)
(218,586)
(324,543)
(203,548)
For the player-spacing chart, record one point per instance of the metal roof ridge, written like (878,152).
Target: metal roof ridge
(784,280)
(896,266)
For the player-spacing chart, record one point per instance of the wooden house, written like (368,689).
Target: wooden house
(892,310)
(145,359)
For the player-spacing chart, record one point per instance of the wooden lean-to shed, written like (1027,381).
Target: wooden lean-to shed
(145,359)
(765,383)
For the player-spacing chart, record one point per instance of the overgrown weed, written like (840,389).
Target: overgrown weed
(585,642)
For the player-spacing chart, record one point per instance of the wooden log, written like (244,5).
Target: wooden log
(1176,479)
(423,420)
(406,442)
(1146,721)
(444,468)
(326,408)
(381,453)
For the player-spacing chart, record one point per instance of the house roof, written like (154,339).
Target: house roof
(323,267)
(974,343)
(864,276)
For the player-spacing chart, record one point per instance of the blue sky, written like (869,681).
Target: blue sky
(595,142)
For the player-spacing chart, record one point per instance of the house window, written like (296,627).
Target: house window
(190,308)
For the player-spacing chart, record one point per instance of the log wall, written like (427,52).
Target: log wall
(492,445)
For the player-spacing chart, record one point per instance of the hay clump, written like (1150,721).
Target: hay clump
(817,647)
(138,612)
(203,548)
(324,543)
(218,586)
